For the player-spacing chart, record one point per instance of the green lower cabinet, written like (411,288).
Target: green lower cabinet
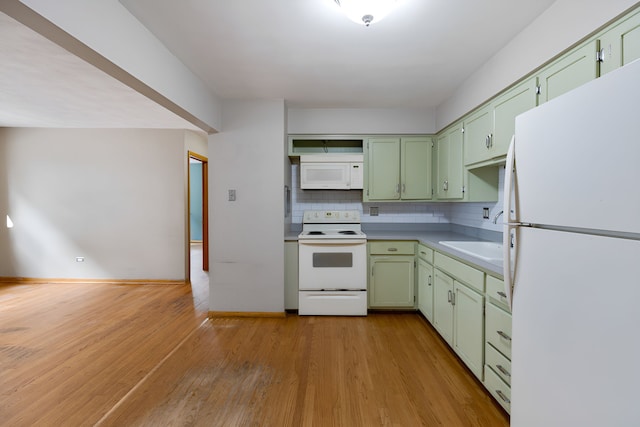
(442,308)
(392,281)
(425,289)
(458,309)
(497,349)
(468,327)
(291,275)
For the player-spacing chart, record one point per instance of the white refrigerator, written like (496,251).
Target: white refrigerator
(572,257)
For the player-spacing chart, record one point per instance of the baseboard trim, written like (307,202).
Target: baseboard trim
(42,281)
(219,314)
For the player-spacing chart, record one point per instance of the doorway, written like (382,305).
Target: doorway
(198,205)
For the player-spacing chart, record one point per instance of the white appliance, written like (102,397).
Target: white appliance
(331,172)
(572,181)
(332,252)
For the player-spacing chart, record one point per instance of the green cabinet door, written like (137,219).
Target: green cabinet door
(291,275)
(415,167)
(576,68)
(506,107)
(442,308)
(468,325)
(392,281)
(620,45)
(425,289)
(477,136)
(450,167)
(383,169)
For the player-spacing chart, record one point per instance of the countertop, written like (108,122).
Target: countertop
(430,236)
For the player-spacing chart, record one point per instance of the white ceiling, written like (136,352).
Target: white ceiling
(43,85)
(309,53)
(303,51)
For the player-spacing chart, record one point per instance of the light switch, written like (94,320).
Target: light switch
(232,195)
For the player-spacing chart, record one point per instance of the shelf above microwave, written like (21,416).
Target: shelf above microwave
(324,144)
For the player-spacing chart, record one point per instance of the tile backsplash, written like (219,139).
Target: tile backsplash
(468,214)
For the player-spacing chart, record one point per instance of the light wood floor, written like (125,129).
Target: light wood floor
(132,355)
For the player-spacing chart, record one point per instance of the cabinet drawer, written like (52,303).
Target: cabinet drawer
(425,253)
(496,361)
(495,291)
(498,329)
(498,388)
(464,273)
(392,248)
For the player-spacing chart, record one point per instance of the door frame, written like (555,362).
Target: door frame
(205,208)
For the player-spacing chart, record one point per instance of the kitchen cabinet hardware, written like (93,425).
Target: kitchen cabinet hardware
(502,294)
(502,396)
(505,336)
(504,371)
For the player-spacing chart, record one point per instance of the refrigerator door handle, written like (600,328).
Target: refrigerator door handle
(510,223)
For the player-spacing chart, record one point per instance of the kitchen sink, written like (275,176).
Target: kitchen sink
(487,251)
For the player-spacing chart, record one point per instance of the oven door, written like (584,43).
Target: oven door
(327,264)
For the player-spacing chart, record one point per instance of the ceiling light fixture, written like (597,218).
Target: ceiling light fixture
(366,12)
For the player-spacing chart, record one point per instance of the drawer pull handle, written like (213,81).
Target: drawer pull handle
(423,253)
(504,371)
(502,396)
(392,249)
(503,335)
(502,294)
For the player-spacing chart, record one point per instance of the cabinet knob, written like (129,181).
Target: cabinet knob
(392,249)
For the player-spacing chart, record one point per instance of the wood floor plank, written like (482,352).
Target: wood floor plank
(133,355)
(316,371)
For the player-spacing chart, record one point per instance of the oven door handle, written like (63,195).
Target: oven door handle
(332,242)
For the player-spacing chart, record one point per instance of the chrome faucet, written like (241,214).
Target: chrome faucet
(495,218)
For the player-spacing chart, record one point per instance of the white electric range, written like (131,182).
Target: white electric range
(332,264)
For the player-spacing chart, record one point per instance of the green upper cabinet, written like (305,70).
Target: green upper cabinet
(382,169)
(398,168)
(478,131)
(488,131)
(449,164)
(506,107)
(574,69)
(620,44)
(415,168)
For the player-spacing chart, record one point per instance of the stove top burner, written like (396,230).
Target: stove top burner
(350,232)
(315,233)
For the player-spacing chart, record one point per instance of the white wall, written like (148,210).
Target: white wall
(562,25)
(108,28)
(246,236)
(361,121)
(115,197)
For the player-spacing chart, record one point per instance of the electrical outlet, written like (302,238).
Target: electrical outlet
(232,195)
(373,211)
(485,213)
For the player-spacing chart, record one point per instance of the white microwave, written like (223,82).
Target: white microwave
(331,172)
